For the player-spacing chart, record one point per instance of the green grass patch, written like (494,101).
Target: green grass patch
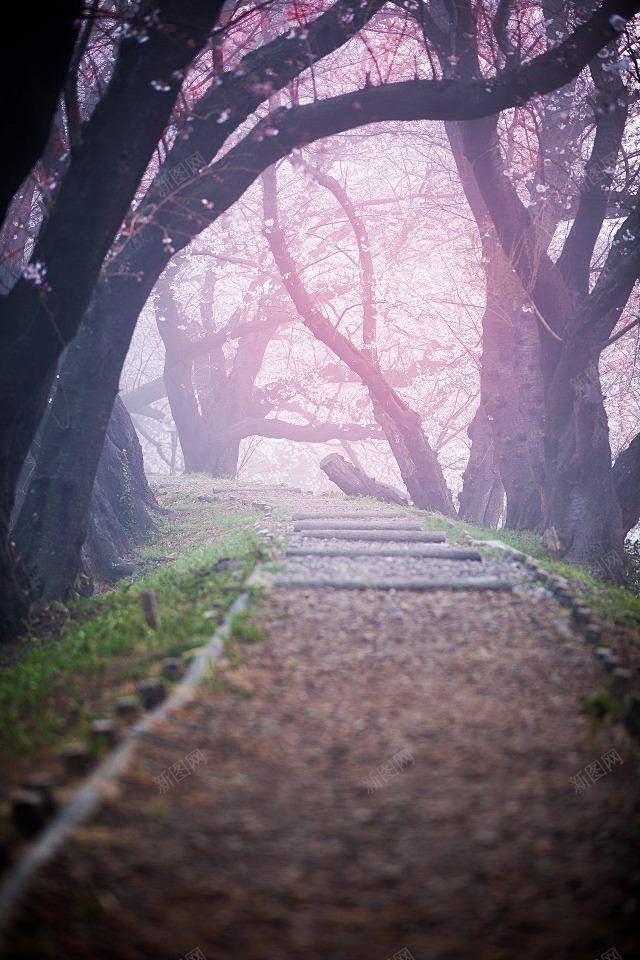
(599,704)
(243,630)
(523,540)
(58,683)
(620,604)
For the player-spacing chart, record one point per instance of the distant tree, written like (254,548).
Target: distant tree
(214,395)
(401,425)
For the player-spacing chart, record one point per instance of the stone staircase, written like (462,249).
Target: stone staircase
(379,551)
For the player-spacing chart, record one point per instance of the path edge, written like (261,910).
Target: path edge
(88,797)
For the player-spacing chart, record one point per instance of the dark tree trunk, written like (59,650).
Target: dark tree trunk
(58,522)
(580,503)
(121,499)
(417,462)
(53,518)
(119,518)
(583,508)
(353,481)
(40,47)
(482,495)
(39,320)
(511,381)
(626,478)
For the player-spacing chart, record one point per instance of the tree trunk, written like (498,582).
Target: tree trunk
(401,425)
(512,392)
(119,517)
(222,458)
(207,402)
(42,46)
(626,478)
(14,586)
(511,381)
(353,481)
(53,531)
(51,527)
(583,508)
(201,426)
(418,464)
(482,496)
(580,503)
(38,320)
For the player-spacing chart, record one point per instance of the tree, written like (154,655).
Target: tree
(581,504)
(168,226)
(401,425)
(41,313)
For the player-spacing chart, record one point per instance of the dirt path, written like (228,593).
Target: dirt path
(387,774)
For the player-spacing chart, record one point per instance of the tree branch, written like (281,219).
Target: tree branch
(360,232)
(136,400)
(611,117)
(304,433)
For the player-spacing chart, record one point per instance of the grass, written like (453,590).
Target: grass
(618,603)
(243,630)
(58,683)
(60,680)
(600,705)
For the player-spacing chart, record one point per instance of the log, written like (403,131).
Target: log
(356,483)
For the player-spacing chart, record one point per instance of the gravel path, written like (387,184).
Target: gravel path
(388,774)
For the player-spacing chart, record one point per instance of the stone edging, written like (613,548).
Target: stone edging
(88,797)
(584,621)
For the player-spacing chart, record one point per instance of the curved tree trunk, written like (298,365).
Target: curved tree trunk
(418,464)
(38,321)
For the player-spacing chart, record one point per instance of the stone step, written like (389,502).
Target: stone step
(384,536)
(349,515)
(303,525)
(436,552)
(393,583)
(258,490)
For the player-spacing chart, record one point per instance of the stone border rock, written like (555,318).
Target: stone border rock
(87,799)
